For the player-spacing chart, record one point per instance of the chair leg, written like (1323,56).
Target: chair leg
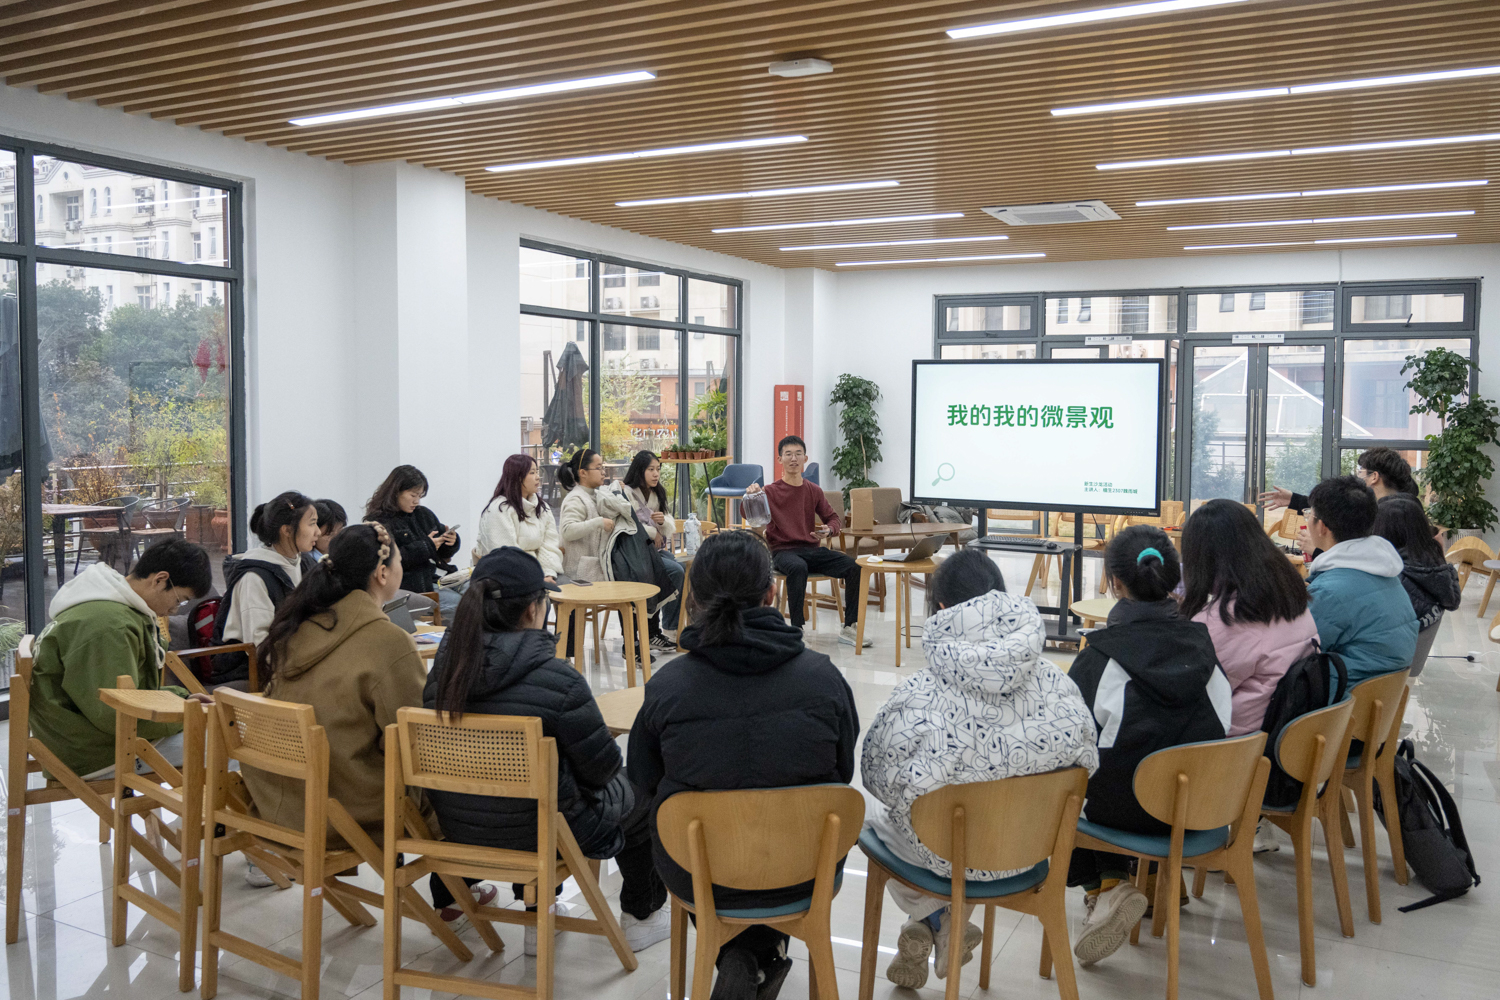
(1346,803)
(1328,806)
(1244,872)
(1302,851)
(15,854)
(1140,883)
(1168,874)
(706,952)
(1055,938)
(869,953)
(1160,905)
(213,894)
(987,947)
(1385,777)
(678,975)
(1489,588)
(1200,879)
(1363,797)
(824,984)
(312,928)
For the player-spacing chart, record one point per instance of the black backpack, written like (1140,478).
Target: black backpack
(1302,689)
(1431,831)
(229,667)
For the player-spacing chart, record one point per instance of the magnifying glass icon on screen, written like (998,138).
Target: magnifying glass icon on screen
(944,473)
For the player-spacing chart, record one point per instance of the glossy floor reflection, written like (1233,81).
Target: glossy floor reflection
(1444,951)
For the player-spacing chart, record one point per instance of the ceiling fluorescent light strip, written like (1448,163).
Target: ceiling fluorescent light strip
(508,94)
(896,243)
(1083,17)
(1378,189)
(1248,246)
(1323,221)
(938,260)
(1446,140)
(642,154)
(1309,243)
(762,193)
(1147,103)
(840,222)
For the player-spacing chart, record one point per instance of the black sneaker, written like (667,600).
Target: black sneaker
(738,977)
(775,975)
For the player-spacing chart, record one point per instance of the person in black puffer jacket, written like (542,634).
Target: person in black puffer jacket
(748,707)
(1431,582)
(425,544)
(496,659)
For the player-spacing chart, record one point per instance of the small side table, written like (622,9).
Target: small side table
(903,571)
(627,598)
(1093,612)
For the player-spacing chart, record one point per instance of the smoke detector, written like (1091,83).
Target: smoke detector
(1053,213)
(801,67)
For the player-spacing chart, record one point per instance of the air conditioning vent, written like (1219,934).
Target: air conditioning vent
(1053,213)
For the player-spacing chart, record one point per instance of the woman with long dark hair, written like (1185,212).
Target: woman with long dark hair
(517,515)
(426,545)
(644,490)
(1430,580)
(748,707)
(1253,601)
(497,659)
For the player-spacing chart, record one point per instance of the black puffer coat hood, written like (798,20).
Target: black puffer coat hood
(1432,587)
(523,676)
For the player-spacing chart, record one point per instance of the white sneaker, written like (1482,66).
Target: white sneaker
(255,878)
(972,937)
(1108,921)
(848,636)
(529,947)
(1265,837)
(909,967)
(642,934)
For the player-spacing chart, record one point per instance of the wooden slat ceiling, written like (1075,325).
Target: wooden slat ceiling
(961,124)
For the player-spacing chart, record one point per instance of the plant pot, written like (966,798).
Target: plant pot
(219,531)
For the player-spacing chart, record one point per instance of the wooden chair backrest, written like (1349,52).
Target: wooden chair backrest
(20,707)
(1297,749)
(1469,550)
(1036,518)
(1010,823)
(872,505)
(1291,522)
(277,736)
(1365,723)
(1219,776)
(494,755)
(761,838)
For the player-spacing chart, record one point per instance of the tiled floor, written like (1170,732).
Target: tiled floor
(1448,950)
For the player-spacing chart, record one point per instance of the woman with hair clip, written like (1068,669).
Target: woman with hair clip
(1430,580)
(1382,469)
(497,659)
(588,515)
(1152,681)
(426,544)
(748,707)
(517,515)
(331,520)
(644,490)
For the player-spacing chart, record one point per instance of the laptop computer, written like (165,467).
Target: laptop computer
(397,612)
(920,551)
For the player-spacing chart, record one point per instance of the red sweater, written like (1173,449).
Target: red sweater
(792,510)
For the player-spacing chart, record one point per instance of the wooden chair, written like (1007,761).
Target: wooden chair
(29,755)
(199,652)
(1096,533)
(153,522)
(437,609)
(1210,794)
(1470,554)
(1494,634)
(1379,704)
(758,839)
(1308,751)
(499,756)
(284,738)
(1172,514)
(1027,822)
(811,599)
(182,796)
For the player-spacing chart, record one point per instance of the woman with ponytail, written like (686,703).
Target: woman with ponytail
(1152,681)
(588,515)
(748,707)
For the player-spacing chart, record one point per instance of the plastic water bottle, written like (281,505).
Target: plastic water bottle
(691,534)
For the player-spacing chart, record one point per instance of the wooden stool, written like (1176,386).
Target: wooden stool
(812,601)
(903,571)
(628,598)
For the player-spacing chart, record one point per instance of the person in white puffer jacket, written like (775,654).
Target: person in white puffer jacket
(988,706)
(517,516)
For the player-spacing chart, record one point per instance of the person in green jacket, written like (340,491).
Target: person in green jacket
(104,626)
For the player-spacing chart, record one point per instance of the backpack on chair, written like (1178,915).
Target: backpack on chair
(1431,830)
(1303,688)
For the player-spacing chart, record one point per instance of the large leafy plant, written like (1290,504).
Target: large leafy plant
(860,426)
(1457,468)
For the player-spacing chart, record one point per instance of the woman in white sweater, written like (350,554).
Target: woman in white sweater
(517,515)
(588,515)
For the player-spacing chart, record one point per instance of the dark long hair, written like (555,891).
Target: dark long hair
(1148,577)
(730,574)
(383,501)
(515,470)
(635,476)
(1401,521)
(1394,470)
(352,556)
(482,610)
(567,473)
(1227,556)
(285,510)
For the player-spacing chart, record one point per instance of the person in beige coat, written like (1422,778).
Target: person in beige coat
(590,515)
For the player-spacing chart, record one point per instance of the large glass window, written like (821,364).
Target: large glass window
(13,612)
(1404,309)
(554,379)
(711,303)
(639,292)
(8,232)
(555,280)
(1377,404)
(1106,315)
(987,352)
(1260,311)
(637,393)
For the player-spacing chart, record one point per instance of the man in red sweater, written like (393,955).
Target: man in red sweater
(794,537)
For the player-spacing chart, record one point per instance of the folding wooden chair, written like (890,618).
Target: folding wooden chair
(505,757)
(1027,822)
(812,601)
(1211,795)
(284,738)
(1379,705)
(758,839)
(199,652)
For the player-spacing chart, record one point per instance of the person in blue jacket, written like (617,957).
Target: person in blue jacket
(1358,601)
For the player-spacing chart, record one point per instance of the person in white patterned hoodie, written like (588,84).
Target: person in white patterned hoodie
(988,706)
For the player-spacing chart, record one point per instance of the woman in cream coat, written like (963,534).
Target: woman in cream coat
(588,516)
(516,515)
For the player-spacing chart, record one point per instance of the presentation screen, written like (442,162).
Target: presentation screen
(1077,435)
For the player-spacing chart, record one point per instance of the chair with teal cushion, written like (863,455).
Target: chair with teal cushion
(1026,824)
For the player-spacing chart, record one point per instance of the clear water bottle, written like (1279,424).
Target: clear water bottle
(691,534)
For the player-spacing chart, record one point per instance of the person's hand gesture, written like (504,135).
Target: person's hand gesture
(658,517)
(752,489)
(1276,498)
(450,537)
(436,538)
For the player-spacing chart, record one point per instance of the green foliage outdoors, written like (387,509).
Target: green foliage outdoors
(1210,480)
(1298,467)
(859,426)
(1457,468)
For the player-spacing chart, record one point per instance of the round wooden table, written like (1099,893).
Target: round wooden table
(871,565)
(428,650)
(629,599)
(1093,612)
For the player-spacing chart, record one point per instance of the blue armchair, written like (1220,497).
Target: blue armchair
(810,473)
(732,482)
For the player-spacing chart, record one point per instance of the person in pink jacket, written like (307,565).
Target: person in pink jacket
(1254,603)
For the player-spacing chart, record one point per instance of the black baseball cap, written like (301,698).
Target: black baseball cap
(516,571)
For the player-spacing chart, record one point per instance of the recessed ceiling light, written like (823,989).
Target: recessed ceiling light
(762,193)
(1084,17)
(1247,246)
(1245,95)
(1309,243)
(1379,189)
(938,260)
(1445,140)
(897,243)
(840,222)
(1324,221)
(508,94)
(641,154)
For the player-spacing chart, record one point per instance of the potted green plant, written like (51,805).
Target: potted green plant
(860,426)
(1457,467)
